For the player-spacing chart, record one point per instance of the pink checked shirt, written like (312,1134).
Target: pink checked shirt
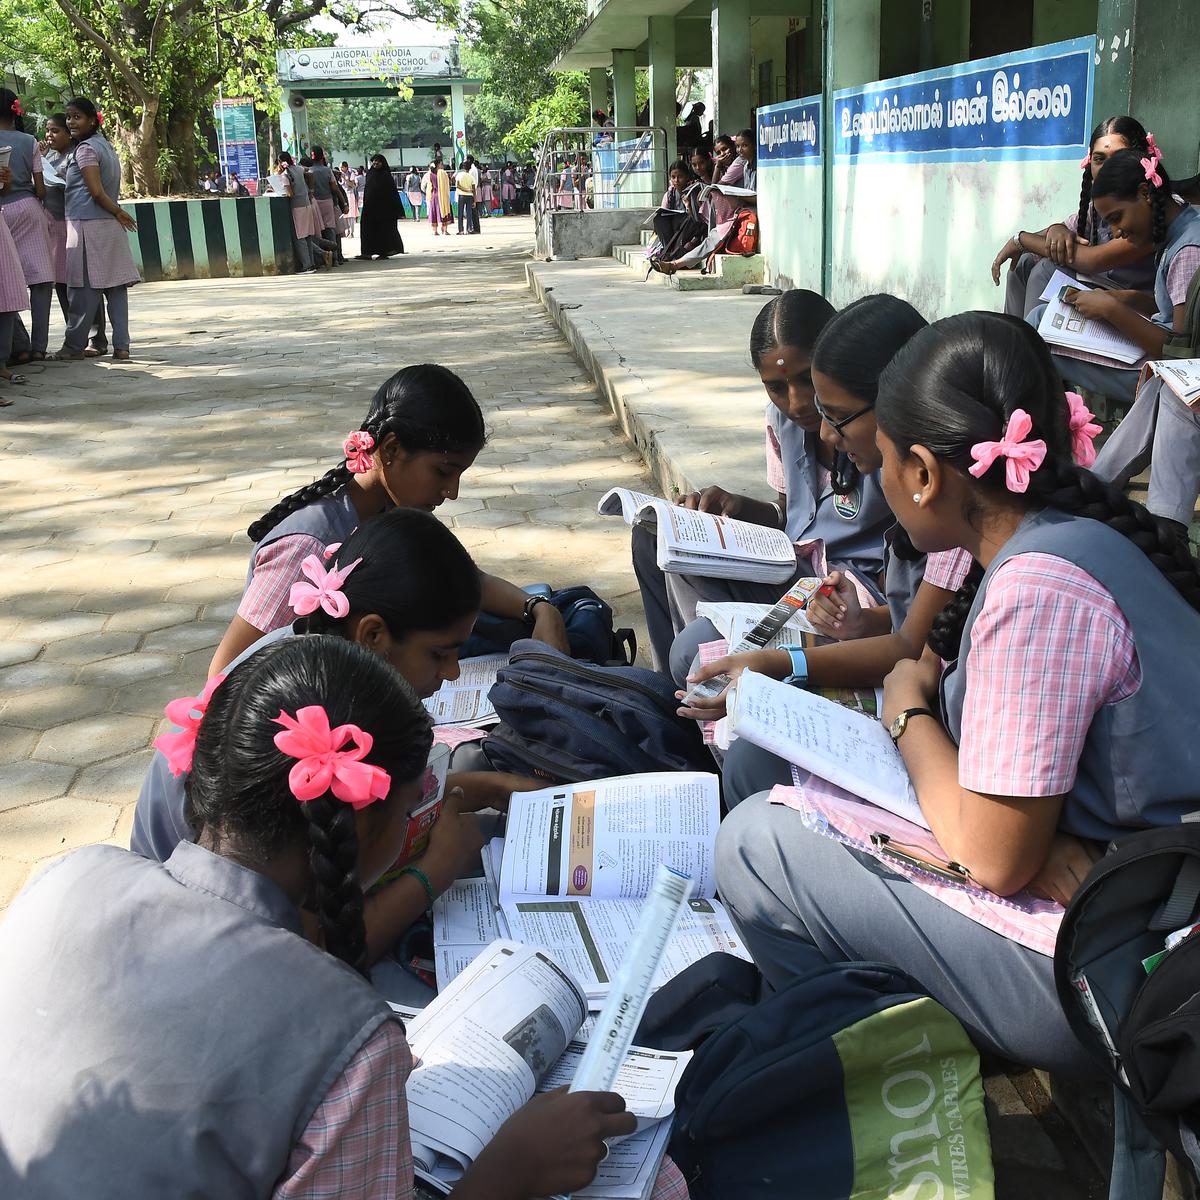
(357,1144)
(1049,649)
(264,603)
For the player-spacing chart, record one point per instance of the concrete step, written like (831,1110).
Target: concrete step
(729,271)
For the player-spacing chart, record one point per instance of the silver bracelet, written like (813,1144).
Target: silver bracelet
(780,515)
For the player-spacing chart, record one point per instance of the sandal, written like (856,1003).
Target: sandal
(65,355)
(12,378)
(94,352)
(20,359)
(5,402)
(120,356)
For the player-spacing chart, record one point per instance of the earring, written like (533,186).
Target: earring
(916,497)
(779,362)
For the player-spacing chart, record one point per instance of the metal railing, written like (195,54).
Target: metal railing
(589,169)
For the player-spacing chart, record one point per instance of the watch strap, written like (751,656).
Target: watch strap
(799,675)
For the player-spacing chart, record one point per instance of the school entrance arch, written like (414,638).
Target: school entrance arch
(361,71)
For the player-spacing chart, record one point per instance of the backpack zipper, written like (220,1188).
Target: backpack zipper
(595,675)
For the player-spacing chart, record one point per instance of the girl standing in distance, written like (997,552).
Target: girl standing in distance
(14,297)
(21,206)
(1138,200)
(1066,717)
(848,515)
(412,189)
(99,261)
(1082,242)
(303,222)
(57,151)
(436,189)
(508,188)
(851,354)
(423,431)
(304,767)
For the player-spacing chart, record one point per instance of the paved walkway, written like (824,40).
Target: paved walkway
(126,489)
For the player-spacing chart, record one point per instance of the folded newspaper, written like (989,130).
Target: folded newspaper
(506,1028)
(691,542)
(575,865)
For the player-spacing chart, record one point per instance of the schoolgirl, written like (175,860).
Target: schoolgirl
(403,587)
(21,207)
(14,296)
(303,220)
(848,359)
(58,148)
(1083,241)
(274,1070)
(817,499)
(99,260)
(1066,717)
(1137,198)
(422,432)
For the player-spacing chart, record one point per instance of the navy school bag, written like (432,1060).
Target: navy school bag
(565,720)
(847,1084)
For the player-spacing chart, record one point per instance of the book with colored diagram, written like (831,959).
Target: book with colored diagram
(690,542)
(1181,375)
(1069,332)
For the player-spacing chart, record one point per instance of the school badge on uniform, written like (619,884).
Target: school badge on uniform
(848,506)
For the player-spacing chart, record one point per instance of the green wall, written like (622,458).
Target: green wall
(1166,80)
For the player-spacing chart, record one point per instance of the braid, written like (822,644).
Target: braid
(333,858)
(1158,204)
(309,494)
(1072,489)
(1085,221)
(947,629)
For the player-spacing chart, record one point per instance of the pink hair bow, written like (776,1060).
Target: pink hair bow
(331,550)
(325,590)
(1021,457)
(325,763)
(357,449)
(1152,146)
(1150,166)
(1086,161)
(179,745)
(1084,430)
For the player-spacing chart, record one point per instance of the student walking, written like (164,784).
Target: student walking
(464,184)
(99,261)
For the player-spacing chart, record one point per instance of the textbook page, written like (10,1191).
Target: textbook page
(480,1049)
(646,1080)
(631,1169)
(848,748)
(1067,328)
(1060,280)
(465,700)
(606,838)
(464,925)
(733,621)
(1181,375)
(628,503)
(694,532)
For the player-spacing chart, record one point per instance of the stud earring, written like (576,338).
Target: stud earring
(779,362)
(916,497)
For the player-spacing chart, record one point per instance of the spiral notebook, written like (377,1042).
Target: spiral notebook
(832,812)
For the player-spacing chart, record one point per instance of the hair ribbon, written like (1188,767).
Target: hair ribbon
(1086,161)
(1022,458)
(1150,166)
(329,760)
(357,449)
(178,746)
(1084,430)
(325,590)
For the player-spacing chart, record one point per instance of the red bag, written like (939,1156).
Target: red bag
(743,237)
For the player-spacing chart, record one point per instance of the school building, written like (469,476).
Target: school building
(902,141)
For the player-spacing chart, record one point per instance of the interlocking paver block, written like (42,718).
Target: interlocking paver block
(93,739)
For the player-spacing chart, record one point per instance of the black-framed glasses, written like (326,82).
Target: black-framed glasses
(838,426)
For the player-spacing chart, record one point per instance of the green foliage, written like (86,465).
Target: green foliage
(363,126)
(566,106)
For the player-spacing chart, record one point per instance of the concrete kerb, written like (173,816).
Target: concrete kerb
(695,422)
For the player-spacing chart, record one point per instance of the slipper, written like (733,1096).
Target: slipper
(15,380)
(92,352)
(120,356)
(37,356)
(5,402)
(19,360)
(65,355)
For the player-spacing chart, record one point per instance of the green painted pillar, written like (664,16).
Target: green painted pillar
(662,92)
(731,64)
(624,92)
(597,89)
(293,124)
(855,31)
(458,123)
(1114,58)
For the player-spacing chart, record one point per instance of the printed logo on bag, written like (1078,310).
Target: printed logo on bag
(847,507)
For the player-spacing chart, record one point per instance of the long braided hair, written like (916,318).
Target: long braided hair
(425,407)
(238,789)
(957,383)
(1124,175)
(1135,137)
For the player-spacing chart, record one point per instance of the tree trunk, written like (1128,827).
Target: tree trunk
(181,138)
(143,147)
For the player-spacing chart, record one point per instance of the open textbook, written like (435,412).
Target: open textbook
(504,1029)
(734,621)
(575,866)
(1181,375)
(1067,329)
(465,700)
(828,739)
(691,542)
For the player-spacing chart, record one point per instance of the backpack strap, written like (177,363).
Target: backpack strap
(1139,1163)
(1177,909)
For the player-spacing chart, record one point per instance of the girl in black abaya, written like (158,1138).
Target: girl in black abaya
(381,209)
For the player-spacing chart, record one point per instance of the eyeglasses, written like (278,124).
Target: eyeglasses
(838,426)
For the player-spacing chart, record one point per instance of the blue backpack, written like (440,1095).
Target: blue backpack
(566,721)
(847,1084)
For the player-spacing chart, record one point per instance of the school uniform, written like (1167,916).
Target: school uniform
(747,768)
(304,221)
(322,193)
(851,529)
(26,220)
(276,558)
(99,260)
(169,1079)
(1159,431)
(1110,726)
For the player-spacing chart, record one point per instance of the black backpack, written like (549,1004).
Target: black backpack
(1142,1024)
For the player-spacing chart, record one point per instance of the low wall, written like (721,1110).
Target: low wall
(212,239)
(589,234)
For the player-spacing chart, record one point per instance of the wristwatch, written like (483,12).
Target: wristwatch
(900,724)
(531,604)
(1016,237)
(799,676)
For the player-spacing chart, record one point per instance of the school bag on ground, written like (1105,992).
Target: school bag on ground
(846,1085)
(589,622)
(742,238)
(1135,1004)
(566,720)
